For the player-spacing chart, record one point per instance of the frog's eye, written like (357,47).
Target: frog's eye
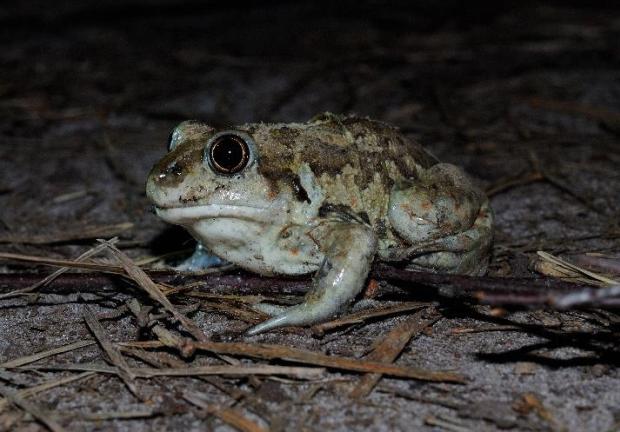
(228,153)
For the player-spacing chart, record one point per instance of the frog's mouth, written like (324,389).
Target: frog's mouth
(189,215)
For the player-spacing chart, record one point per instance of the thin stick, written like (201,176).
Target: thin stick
(275,352)
(146,283)
(361,316)
(113,353)
(390,347)
(297,372)
(32,409)
(49,278)
(74,367)
(231,416)
(496,291)
(62,263)
(117,415)
(292,371)
(44,354)
(31,391)
(79,233)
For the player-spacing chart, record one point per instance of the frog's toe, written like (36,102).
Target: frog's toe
(201,259)
(299,315)
(270,324)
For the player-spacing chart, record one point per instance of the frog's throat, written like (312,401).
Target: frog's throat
(189,215)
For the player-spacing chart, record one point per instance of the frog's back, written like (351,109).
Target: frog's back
(355,160)
(329,143)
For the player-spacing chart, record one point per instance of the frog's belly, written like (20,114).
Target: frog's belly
(261,248)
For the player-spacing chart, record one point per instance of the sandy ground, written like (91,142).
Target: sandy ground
(88,95)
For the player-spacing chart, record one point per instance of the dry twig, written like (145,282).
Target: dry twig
(31,391)
(113,353)
(146,283)
(44,354)
(69,235)
(49,278)
(280,352)
(390,346)
(495,291)
(361,316)
(32,409)
(231,416)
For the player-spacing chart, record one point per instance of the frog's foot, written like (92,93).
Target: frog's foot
(465,252)
(201,259)
(349,249)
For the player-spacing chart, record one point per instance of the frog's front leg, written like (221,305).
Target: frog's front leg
(200,260)
(349,248)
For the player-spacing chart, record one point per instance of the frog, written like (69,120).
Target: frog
(327,197)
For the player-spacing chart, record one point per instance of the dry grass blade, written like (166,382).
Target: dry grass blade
(391,345)
(492,328)
(44,354)
(235,311)
(74,367)
(165,336)
(292,371)
(447,425)
(79,233)
(113,353)
(360,317)
(49,278)
(117,415)
(62,263)
(274,352)
(572,271)
(32,409)
(31,391)
(146,283)
(231,416)
(297,372)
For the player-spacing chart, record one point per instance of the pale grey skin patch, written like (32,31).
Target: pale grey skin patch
(325,197)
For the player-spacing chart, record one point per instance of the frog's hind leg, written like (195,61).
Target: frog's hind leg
(200,260)
(349,249)
(466,252)
(445,219)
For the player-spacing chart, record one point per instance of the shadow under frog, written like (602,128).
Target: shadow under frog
(327,197)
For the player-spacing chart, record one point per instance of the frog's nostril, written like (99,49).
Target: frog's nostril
(170,172)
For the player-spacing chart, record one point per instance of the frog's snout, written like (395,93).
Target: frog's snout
(159,187)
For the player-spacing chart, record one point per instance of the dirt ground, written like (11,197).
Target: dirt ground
(526,99)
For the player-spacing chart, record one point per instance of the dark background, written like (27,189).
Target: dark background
(524,95)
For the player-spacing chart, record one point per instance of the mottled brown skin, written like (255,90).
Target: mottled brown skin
(329,142)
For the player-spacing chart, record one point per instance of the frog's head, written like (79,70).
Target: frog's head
(211,175)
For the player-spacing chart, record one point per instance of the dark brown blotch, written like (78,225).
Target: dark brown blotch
(174,167)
